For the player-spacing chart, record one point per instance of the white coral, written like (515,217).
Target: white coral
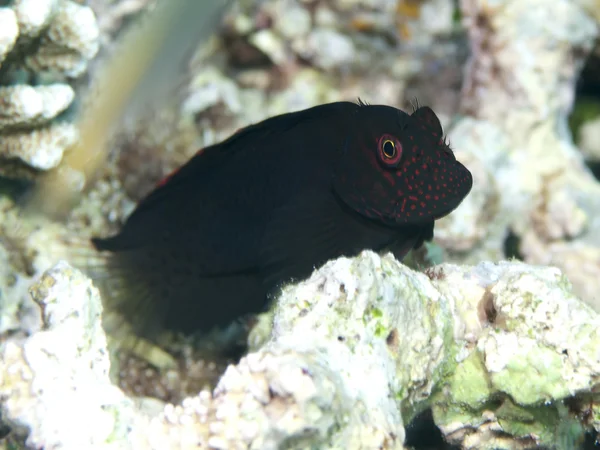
(353,353)
(60,36)
(34,15)
(70,41)
(24,105)
(9,31)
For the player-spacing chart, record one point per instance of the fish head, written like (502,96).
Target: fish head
(397,168)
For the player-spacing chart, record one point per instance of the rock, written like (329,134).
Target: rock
(350,356)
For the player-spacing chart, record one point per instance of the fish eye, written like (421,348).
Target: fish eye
(389,149)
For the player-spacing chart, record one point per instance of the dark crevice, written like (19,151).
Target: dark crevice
(4,430)
(13,188)
(588,83)
(422,434)
(512,244)
(595,168)
(587,101)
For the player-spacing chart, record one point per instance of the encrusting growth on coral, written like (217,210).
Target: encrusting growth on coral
(493,347)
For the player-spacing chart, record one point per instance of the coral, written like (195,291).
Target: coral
(505,354)
(27,248)
(53,40)
(63,368)
(518,93)
(10,31)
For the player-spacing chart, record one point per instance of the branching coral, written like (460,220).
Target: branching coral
(53,40)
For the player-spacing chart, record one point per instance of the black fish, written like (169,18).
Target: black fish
(276,200)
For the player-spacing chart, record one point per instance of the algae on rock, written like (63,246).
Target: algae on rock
(501,351)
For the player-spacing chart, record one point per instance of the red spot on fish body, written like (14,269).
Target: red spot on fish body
(166,179)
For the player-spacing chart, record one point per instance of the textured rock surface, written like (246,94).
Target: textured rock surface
(518,92)
(502,352)
(55,383)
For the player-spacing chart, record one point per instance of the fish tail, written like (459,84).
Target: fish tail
(147,301)
(129,319)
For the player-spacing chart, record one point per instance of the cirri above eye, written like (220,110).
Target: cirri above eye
(390,150)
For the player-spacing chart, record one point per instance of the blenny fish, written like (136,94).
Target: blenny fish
(218,237)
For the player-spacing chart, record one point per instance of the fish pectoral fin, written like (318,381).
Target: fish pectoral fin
(412,238)
(151,296)
(310,230)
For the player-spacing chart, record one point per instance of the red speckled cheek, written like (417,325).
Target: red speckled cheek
(435,182)
(410,178)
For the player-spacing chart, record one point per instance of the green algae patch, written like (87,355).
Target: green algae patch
(533,374)
(469,383)
(375,312)
(380,330)
(447,413)
(552,424)
(521,421)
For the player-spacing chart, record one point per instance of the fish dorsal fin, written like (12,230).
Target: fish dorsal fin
(252,136)
(285,122)
(248,140)
(316,227)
